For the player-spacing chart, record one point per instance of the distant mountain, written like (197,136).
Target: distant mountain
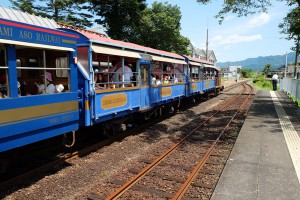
(258,64)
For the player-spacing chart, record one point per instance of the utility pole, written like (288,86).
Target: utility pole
(207,44)
(228,71)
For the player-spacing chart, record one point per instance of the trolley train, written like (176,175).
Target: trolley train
(97,80)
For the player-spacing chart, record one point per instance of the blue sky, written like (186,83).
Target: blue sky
(236,38)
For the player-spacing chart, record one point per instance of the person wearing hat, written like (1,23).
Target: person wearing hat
(50,88)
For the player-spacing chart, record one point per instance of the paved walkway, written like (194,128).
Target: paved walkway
(265,161)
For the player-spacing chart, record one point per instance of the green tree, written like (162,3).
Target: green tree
(23,5)
(267,69)
(160,28)
(246,73)
(73,12)
(119,16)
(291,27)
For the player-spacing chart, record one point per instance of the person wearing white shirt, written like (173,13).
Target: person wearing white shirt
(127,74)
(274,81)
(50,89)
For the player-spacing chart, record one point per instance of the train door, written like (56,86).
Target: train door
(144,74)
(156,76)
(143,82)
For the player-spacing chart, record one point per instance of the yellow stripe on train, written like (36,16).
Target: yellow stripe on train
(194,86)
(113,101)
(166,92)
(18,114)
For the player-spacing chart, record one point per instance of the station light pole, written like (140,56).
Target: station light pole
(286,67)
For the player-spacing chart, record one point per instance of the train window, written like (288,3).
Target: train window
(157,72)
(179,73)
(33,74)
(83,57)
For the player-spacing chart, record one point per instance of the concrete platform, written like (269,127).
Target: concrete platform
(265,161)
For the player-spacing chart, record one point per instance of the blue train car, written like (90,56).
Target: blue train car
(134,78)
(204,77)
(38,80)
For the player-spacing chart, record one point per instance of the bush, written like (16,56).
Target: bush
(263,84)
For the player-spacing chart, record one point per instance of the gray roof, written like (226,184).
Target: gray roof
(19,16)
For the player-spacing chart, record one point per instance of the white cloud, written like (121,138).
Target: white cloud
(230,17)
(235,38)
(259,20)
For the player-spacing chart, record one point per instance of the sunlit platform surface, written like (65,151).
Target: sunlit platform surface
(265,161)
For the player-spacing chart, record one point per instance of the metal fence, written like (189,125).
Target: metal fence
(291,86)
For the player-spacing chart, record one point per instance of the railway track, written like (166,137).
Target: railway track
(170,176)
(65,157)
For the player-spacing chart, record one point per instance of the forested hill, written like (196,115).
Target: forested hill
(258,64)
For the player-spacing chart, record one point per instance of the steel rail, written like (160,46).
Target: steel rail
(202,162)
(121,190)
(233,86)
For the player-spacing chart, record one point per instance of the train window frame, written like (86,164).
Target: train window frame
(4,88)
(40,68)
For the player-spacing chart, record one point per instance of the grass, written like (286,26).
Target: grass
(294,99)
(264,84)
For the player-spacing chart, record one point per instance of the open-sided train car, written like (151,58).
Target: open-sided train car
(146,78)
(204,77)
(31,47)
(99,80)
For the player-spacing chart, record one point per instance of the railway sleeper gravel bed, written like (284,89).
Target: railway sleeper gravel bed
(89,176)
(177,177)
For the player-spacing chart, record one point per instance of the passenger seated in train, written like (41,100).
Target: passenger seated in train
(113,74)
(116,74)
(175,79)
(127,74)
(153,79)
(50,88)
(166,79)
(19,88)
(158,82)
(3,89)
(99,81)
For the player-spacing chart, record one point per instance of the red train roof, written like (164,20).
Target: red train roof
(102,38)
(199,60)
